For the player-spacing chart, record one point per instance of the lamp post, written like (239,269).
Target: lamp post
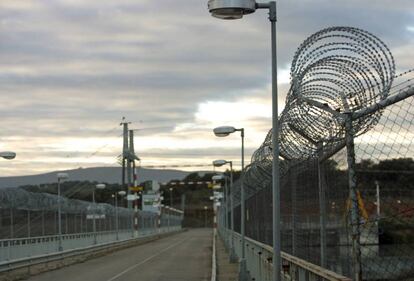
(121,193)
(98,186)
(205,216)
(224,131)
(168,217)
(225,203)
(8,155)
(171,203)
(235,9)
(60,178)
(219,163)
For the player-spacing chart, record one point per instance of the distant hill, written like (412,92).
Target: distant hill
(100,174)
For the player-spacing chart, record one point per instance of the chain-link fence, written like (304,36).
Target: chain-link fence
(27,214)
(347,168)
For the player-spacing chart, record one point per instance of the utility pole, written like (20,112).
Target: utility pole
(132,178)
(125,153)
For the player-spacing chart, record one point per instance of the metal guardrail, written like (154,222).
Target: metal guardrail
(21,248)
(55,256)
(259,263)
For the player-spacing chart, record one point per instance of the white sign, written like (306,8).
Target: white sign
(132,197)
(95,216)
(218,195)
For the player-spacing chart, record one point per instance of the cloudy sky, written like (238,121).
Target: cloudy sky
(71,69)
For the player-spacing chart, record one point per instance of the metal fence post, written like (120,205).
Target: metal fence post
(81,222)
(233,257)
(294,203)
(354,209)
(322,204)
(55,224)
(43,223)
(28,223)
(66,224)
(75,226)
(11,223)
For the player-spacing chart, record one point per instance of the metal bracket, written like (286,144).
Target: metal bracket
(272,9)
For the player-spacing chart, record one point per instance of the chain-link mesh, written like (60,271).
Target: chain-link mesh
(347,169)
(28,214)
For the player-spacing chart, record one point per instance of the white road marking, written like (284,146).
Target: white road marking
(144,261)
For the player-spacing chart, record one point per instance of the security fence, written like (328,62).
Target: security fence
(347,168)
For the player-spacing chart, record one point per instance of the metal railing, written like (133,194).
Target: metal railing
(74,255)
(19,248)
(259,262)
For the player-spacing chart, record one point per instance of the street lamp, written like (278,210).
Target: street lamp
(224,131)
(121,193)
(7,155)
(231,9)
(235,9)
(219,163)
(98,186)
(60,177)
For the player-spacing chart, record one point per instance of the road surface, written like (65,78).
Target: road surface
(184,256)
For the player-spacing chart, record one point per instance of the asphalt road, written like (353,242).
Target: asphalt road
(184,256)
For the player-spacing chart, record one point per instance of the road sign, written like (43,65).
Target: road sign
(136,188)
(218,195)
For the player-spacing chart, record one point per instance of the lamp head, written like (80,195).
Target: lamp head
(231,9)
(219,163)
(122,193)
(62,176)
(224,131)
(100,186)
(8,155)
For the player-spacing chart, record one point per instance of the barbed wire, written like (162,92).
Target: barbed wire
(340,75)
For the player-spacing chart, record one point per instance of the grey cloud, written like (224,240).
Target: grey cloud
(156,60)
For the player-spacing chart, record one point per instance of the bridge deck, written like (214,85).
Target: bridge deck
(185,256)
